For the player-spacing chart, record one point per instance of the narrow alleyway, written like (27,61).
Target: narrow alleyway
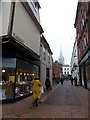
(64,101)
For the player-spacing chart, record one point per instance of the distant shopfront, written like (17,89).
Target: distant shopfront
(85,71)
(17,75)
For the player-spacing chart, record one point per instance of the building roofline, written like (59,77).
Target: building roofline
(38,4)
(76,14)
(44,40)
(30,12)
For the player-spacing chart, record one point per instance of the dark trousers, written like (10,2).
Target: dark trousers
(35,102)
(72,82)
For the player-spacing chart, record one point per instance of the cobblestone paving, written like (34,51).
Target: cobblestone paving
(65,101)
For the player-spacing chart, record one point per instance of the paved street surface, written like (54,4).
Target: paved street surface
(64,101)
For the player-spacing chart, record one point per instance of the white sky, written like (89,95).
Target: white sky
(57,19)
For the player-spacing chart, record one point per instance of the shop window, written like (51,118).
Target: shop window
(87,70)
(44,53)
(8,80)
(24,75)
(23,82)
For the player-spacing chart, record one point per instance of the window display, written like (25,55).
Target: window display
(16,82)
(7,83)
(23,82)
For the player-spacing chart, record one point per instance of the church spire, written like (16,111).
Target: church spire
(61,58)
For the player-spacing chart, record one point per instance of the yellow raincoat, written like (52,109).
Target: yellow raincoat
(36,89)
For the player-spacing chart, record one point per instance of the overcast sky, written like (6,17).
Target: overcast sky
(57,19)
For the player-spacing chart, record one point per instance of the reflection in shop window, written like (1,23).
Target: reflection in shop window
(24,78)
(23,83)
(7,82)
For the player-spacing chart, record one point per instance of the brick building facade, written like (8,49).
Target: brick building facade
(57,70)
(82,25)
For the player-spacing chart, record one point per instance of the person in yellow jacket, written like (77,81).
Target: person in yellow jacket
(36,91)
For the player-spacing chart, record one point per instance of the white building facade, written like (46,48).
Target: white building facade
(46,61)
(74,62)
(66,70)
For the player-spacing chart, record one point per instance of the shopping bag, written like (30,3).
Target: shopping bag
(41,90)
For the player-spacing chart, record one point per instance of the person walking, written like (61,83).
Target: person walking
(72,80)
(48,84)
(75,79)
(36,91)
(62,80)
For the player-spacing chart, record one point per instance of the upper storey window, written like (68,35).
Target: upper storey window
(77,35)
(67,68)
(84,41)
(85,15)
(86,7)
(79,52)
(48,57)
(33,4)
(64,68)
(44,53)
(81,26)
(82,23)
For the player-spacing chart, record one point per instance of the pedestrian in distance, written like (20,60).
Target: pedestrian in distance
(75,80)
(72,80)
(48,84)
(61,80)
(36,91)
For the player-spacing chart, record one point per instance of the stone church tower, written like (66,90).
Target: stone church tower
(61,58)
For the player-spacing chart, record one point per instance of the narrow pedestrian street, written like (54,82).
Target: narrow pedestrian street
(44,54)
(64,101)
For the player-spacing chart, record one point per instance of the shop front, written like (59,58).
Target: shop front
(16,80)
(84,70)
(87,70)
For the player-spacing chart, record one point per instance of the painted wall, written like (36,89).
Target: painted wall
(35,9)
(45,64)
(4,17)
(25,29)
(74,60)
(43,74)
